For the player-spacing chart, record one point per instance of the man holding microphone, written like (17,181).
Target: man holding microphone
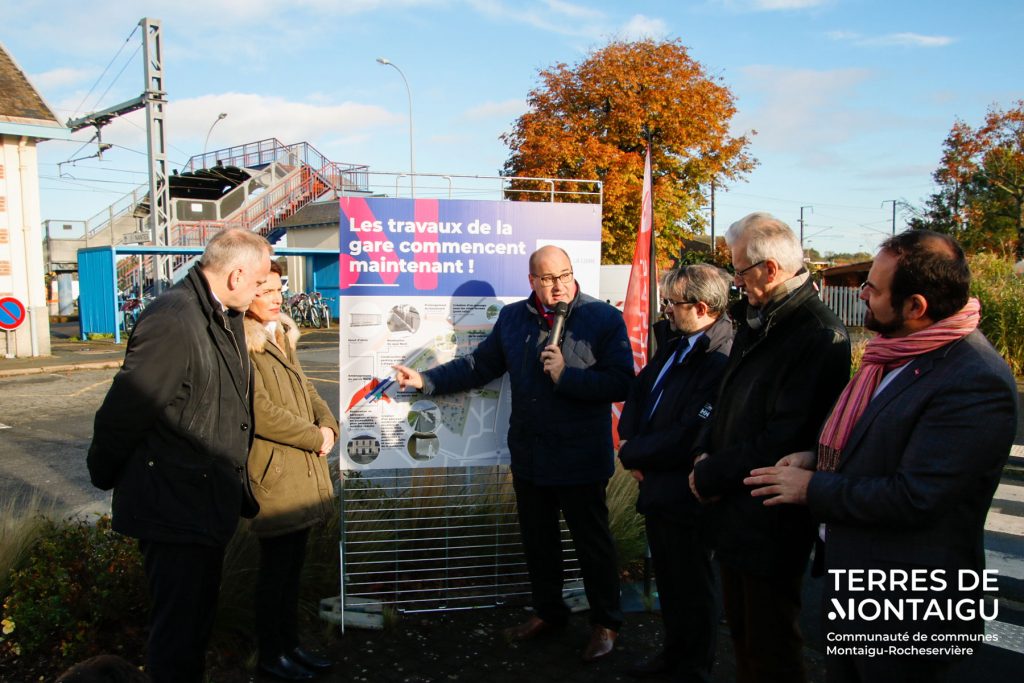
(559,435)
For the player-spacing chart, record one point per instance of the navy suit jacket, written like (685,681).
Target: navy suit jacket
(662,447)
(916,478)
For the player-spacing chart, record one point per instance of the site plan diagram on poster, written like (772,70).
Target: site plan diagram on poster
(422,282)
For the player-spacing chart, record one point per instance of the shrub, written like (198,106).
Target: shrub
(627,525)
(857,349)
(1001,294)
(80,590)
(20,522)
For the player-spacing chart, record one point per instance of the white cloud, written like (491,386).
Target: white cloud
(332,128)
(509,109)
(898,172)
(62,77)
(639,27)
(255,117)
(575,11)
(911,40)
(554,16)
(770,5)
(450,139)
(250,11)
(801,112)
(891,39)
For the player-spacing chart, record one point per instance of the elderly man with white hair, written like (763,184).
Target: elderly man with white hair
(790,359)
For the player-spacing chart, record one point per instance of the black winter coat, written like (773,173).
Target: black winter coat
(559,434)
(174,430)
(778,388)
(663,448)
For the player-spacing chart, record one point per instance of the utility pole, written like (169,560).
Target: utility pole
(802,224)
(159,191)
(712,218)
(893,201)
(153,99)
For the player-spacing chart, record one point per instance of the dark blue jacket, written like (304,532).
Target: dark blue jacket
(663,447)
(558,434)
(915,482)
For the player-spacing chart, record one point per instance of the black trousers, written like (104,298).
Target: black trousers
(586,515)
(184,580)
(686,590)
(764,621)
(277,592)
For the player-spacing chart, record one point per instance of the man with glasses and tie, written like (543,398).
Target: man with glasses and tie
(669,404)
(790,360)
(559,435)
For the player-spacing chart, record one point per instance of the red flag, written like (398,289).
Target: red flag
(637,309)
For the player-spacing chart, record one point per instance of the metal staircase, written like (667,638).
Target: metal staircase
(284,178)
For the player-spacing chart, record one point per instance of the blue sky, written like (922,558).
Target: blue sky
(851,99)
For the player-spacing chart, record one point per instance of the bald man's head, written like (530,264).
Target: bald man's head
(551,276)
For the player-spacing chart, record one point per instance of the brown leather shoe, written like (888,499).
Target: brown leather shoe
(602,641)
(531,628)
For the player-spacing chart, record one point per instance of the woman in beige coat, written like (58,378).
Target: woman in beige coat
(288,469)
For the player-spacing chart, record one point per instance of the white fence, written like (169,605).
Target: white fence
(846,303)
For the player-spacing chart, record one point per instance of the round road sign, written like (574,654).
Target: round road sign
(12,313)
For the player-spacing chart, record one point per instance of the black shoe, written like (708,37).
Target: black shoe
(650,668)
(284,668)
(310,660)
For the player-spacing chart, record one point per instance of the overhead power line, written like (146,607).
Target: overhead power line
(100,77)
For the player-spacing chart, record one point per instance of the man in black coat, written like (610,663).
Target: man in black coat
(668,405)
(906,467)
(172,438)
(789,361)
(559,437)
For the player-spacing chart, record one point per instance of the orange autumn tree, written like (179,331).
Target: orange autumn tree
(980,180)
(592,120)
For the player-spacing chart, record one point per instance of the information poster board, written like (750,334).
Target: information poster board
(421,282)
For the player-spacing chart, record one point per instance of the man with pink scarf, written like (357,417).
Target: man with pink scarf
(906,467)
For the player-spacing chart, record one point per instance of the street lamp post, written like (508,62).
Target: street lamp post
(412,154)
(206,143)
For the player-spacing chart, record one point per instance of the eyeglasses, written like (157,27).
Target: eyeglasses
(742,273)
(549,280)
(668,303)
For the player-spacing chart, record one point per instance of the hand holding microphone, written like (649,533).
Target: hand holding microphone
(551,356)
(558,324)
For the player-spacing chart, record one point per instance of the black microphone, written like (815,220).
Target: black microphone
(558,324)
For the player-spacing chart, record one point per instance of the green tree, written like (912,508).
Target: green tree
(981,184)
(1002,167)
(593,120)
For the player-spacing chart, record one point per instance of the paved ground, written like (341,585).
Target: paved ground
(468,646)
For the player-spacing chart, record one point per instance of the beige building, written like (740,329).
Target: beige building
(25,120)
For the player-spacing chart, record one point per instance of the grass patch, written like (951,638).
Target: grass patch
(1001,294)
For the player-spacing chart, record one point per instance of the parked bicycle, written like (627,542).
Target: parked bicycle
(310,310)
(319,303)
(131,308)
